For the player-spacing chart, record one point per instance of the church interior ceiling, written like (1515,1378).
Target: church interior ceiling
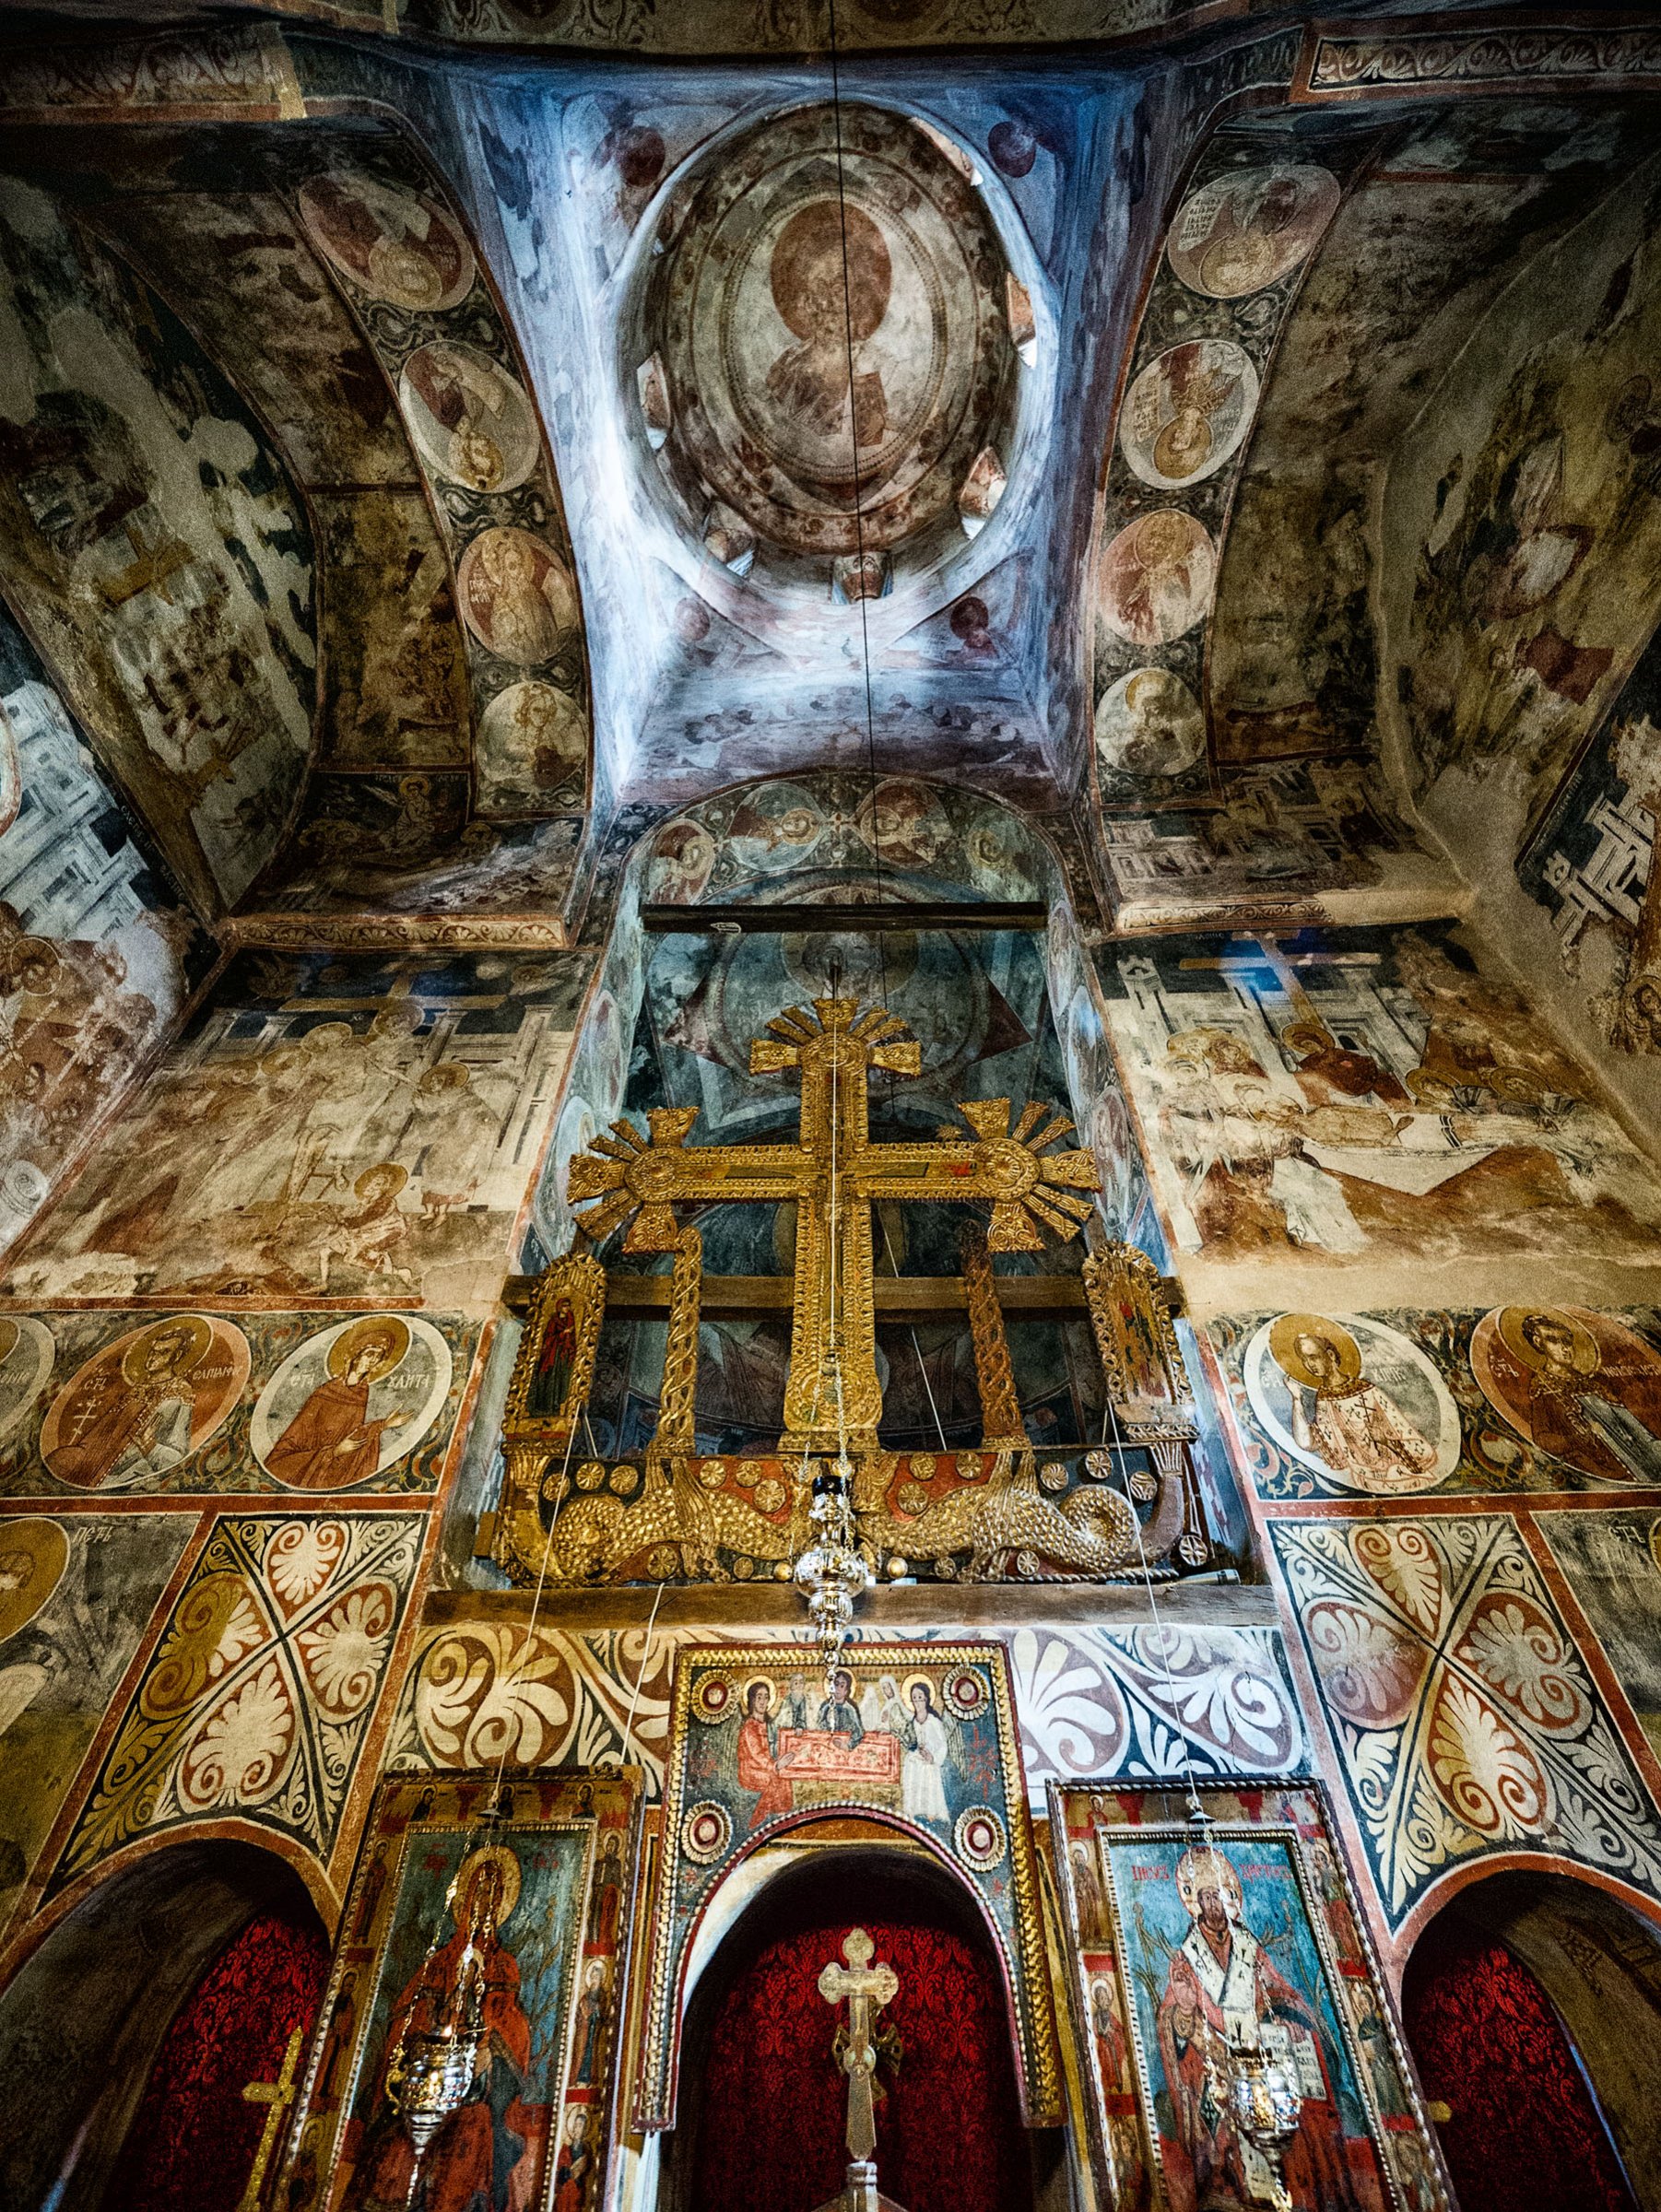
(1151,513)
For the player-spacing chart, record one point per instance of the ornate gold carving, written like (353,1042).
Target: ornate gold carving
(1146,1377)
(554,1373)
(1006,1523)
(833,1174)
(1000,1409)
(676,1423)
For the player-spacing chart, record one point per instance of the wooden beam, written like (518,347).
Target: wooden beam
(743,917)
(729,1296)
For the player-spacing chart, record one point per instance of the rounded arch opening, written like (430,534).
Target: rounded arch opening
(1532,2004)
(761,2107)
(127,2034)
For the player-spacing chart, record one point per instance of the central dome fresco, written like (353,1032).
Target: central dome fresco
(801,364)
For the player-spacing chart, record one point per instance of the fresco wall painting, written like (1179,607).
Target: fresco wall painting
(1361,1104)
(1468,1721)
(1252,213)
(96,954)
(1516,1400)
(409,272)
(1183,1937)
(353,1127)
(140,491)
(543,1889)
(1137,1703)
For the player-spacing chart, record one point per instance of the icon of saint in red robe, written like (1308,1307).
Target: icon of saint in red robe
(482,2157)
(759,1756)
(1222,1989)
(332,1441)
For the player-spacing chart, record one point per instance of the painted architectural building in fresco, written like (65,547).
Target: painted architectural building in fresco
(773,772)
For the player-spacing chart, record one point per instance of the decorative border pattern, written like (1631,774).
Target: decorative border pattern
(1466,1720)
(1504,59)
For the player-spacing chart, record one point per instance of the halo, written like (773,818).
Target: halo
(1586,1359)
(748,1684)
(1305,1037)
(33,1555)
(506,1865)
(1283,1339)
(201,1336)
(929,1684)
(1203,1859)
(363,1332)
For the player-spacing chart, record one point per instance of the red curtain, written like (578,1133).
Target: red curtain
(1525,2132)
(775,2103)
(193,2139)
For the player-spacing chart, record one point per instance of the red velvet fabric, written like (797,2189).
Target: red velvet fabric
(1525,2132)
(193,2139)
(776,2103)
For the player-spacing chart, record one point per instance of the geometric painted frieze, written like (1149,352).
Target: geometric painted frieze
(259,1695)
(1466,1722)
(1137,1704)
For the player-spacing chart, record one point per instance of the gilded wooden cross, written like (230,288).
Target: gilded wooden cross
(833,1173)
(867,1989)
(277,2097)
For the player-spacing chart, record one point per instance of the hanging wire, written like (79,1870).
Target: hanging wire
(1196,1811)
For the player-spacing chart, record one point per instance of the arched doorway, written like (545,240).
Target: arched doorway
(126,2039)
(1532,2003)
(763,2104)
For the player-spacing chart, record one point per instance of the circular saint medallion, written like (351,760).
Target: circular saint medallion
(833,323)
(1249,227)
(1188,412)
(1148,724)
(469,418)
(398,246)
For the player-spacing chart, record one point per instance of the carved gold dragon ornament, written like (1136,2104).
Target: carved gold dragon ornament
(682,1512)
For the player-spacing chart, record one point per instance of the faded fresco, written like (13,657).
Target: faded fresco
(1466,1720)
(190,1404)
(1531,483)
(542,1896)
(257,1699)
(1590,865)
(158,549)
(398,683)
(1516,1399)
(1365,1101)
(96,953)
(1613,1564)
(75,1595)
(1251,217)
(332,1127)
(1183,1939)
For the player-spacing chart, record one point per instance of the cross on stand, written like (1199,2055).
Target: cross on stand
(833,1174)
(277,2097)
(867,1989)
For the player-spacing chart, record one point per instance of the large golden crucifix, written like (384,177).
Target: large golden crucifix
(833,1173)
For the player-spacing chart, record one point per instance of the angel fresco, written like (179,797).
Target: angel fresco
(889,1742)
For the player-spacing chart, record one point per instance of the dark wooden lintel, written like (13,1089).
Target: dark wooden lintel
(775,921)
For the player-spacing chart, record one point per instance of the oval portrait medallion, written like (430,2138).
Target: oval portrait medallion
(146,1403)
(398,246)
(470,420)
(1148,724)
(518,594)
(1155,577)
(832,321)
(1188,412)
(350,1401)
(1358,1402)
(1250,227)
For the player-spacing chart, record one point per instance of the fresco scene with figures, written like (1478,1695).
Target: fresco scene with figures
(830,1069)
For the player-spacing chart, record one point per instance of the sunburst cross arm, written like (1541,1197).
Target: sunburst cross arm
(631,1174)
(1011,1166)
